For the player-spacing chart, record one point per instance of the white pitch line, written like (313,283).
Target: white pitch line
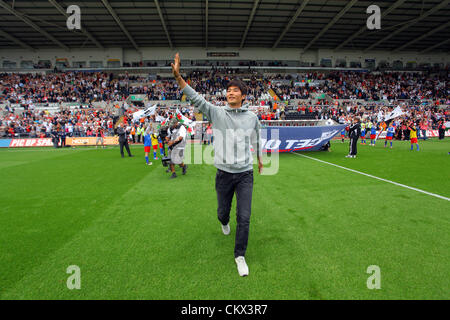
(378,178)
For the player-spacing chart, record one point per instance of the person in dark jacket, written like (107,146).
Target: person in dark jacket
(123,140)
(55,137)
(354,132)
(62,135)
(441,130)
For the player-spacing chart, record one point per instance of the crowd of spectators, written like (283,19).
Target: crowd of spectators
(91,87)
(80,122)
(375,86)
(60,87)
(312,95)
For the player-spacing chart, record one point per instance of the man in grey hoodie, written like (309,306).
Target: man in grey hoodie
(234,129)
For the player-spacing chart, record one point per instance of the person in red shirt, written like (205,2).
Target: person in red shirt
(100,137)
(423,128)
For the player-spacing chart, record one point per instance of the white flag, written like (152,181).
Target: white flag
(397,112)
(158,118)
(380,116)
(144,113)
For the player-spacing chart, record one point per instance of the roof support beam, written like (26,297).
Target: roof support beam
(206,24)
(364,28)
(291,22)
(426,35)
(163,24)
(22,17)
(117,19)
(435,46)
(330,24)
(409,24)
(249,23)
(83,30)
(14,39)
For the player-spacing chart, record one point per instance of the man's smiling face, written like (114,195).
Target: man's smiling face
(234,97)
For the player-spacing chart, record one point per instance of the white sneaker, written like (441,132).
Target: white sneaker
(226,229)
(242,266)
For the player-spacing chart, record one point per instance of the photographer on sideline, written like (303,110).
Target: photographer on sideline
(176,145)
(162,136)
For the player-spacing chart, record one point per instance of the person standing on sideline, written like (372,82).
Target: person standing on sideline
(139,133)
(389,135)
(176,144)
(373,134)
(100,135)
(354,132)
(155,143)
(63,137)
(209,133)
(235,127)
(55,136)
(147,146)
(441,129)
(424,128)
(363,133)
(123,140)
(413,135)
(133,133)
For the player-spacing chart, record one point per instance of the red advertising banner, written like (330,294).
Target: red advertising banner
(40,142)
(435,133)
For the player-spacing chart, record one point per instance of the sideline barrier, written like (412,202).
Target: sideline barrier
(287,139)
(90,141)
(4,143)
(430,134)
(47,142)
(37,142)
(274,139)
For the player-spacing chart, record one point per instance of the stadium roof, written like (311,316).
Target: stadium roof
(416,25)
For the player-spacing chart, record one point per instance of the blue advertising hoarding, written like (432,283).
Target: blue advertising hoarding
(4,143)
(288,139)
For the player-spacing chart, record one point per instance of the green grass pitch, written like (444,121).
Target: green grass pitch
(136,234)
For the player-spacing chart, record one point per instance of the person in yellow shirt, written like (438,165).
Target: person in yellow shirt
(154,138)
(413,135)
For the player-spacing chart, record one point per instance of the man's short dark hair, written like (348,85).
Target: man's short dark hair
(238,83)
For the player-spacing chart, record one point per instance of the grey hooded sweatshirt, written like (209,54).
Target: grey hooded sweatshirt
(235,130)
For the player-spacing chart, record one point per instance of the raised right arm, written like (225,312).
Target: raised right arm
(197,100)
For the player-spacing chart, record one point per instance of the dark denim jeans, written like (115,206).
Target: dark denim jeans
(242,184)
